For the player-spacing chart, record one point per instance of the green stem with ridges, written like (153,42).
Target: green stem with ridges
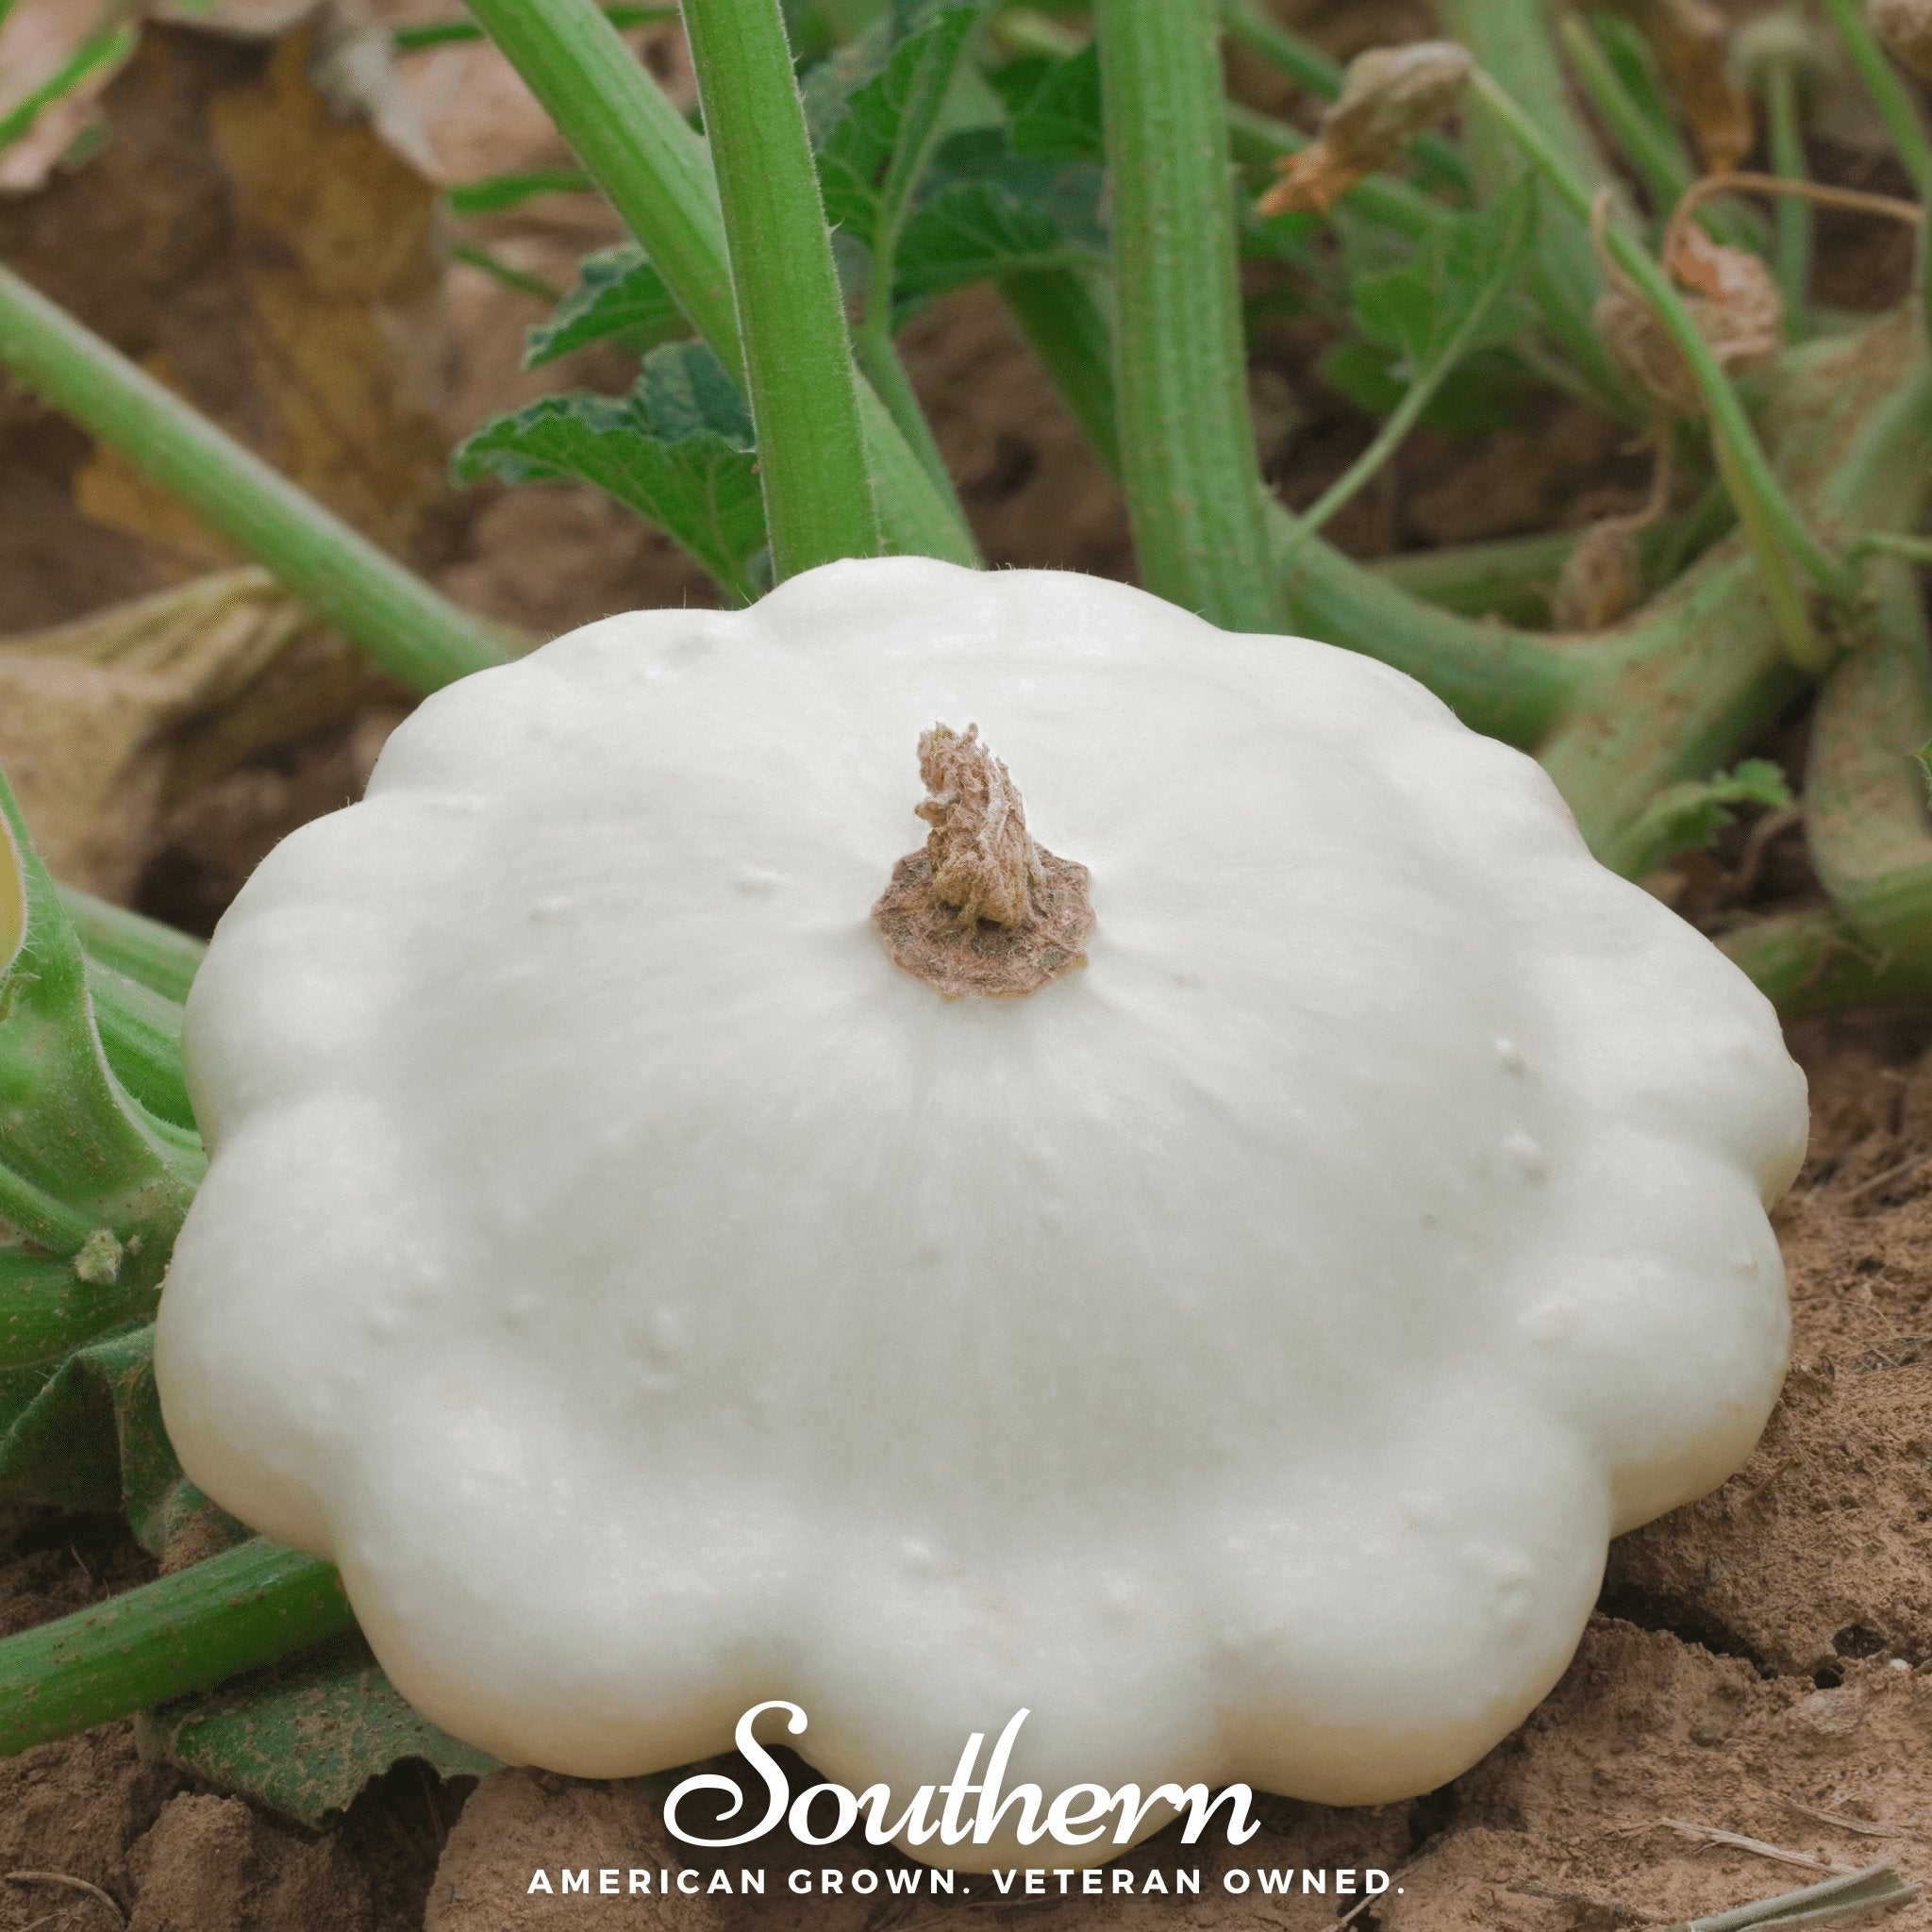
(409,630)
(798,371)
(161,958)
(1896,108)
(1193,481)
(247,1608)
(656,172)
(1763,503)
(1792,243)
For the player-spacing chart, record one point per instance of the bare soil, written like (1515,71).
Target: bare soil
(1761,1662)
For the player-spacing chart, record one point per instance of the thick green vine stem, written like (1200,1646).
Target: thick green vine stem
(1817,962)
(409,630)
(797,361)
(140,1034)
(1193,481)
(93,1183)
(656,173)
(1508,683)
(1865,808)
(1676,691)
(249,1606)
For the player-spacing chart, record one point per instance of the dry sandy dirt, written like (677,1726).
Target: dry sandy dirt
(1761,1662)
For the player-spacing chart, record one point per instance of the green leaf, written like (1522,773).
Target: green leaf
(306,1736)
(89,1177)
(872,156)
(1018,81)
(993,212)
(827,86)
(1429,315)
(679,450)
(1062,120)
(1483,392)
(1453,296)
(619,298)
(86,1434)
(1684,817)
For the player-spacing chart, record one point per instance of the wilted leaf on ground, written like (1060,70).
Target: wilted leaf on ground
(93,713)
(56,57)
(277,265)
(305,1736)
(679,450)
(85,1433)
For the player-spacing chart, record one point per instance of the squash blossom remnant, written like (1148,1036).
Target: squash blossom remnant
(1390,95)
(1732,297)
(1691,41)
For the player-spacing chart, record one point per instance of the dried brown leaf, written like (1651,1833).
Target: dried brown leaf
(1691,39)
(276,263)
(1906,27)
(91,713)
(1392,94)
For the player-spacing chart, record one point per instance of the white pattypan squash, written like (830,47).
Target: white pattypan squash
(1237,1352)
